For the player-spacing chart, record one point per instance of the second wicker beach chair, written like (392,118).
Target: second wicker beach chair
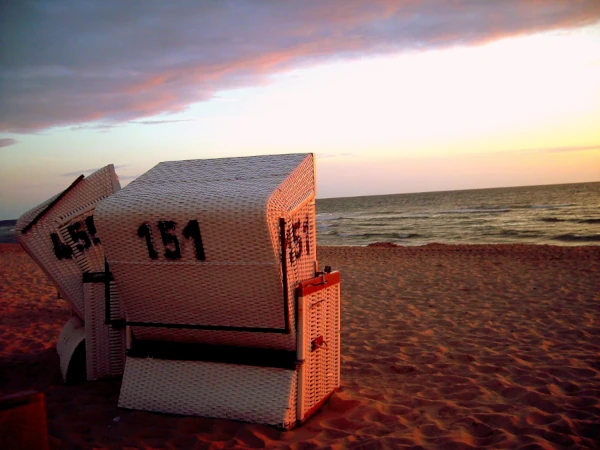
(61,236)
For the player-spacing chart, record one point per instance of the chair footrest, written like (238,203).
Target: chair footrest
(229,391)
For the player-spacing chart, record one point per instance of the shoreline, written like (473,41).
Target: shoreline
(6,247)
(442,346)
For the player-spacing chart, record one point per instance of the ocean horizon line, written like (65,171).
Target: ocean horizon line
(460,190)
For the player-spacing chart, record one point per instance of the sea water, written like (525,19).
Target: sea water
(565,214)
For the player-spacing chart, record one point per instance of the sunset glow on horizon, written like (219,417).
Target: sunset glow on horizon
(510,110)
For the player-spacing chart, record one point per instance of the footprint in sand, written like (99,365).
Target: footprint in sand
(446,411)
(461,357)
(475,428)
(403,369)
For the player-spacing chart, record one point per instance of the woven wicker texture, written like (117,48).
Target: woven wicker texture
(152,230)
(104,344)
(252,394)
(223,244)
(44,240)
(72,334)
(320,373)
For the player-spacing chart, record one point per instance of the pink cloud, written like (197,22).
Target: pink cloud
(7,142)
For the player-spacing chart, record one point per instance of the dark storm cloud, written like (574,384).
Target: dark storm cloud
(71,62)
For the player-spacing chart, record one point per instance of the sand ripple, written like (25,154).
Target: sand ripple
(442,347)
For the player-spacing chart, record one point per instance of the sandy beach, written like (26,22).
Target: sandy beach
(442,347)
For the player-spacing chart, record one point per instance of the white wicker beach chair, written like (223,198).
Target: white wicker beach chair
(60,235)
(227,314)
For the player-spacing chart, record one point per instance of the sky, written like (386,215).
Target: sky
(391,96)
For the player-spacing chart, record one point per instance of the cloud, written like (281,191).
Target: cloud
(80,172)
(67,63)
(76,173)
(159,122)
(7,142)
(576,148)
(96,126)
(102,127)
(568,149)
(337,155)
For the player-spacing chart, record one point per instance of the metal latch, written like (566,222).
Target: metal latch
(317,342)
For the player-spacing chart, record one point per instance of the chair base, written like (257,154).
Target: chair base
(71,336)
(104,343)
(264,395)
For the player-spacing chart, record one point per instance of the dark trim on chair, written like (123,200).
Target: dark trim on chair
(41,214)
(249,356)
(97,277)
(105,277)
(108,277)
(284,274)
(191,326)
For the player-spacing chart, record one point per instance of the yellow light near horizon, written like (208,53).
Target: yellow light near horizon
(513,93)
